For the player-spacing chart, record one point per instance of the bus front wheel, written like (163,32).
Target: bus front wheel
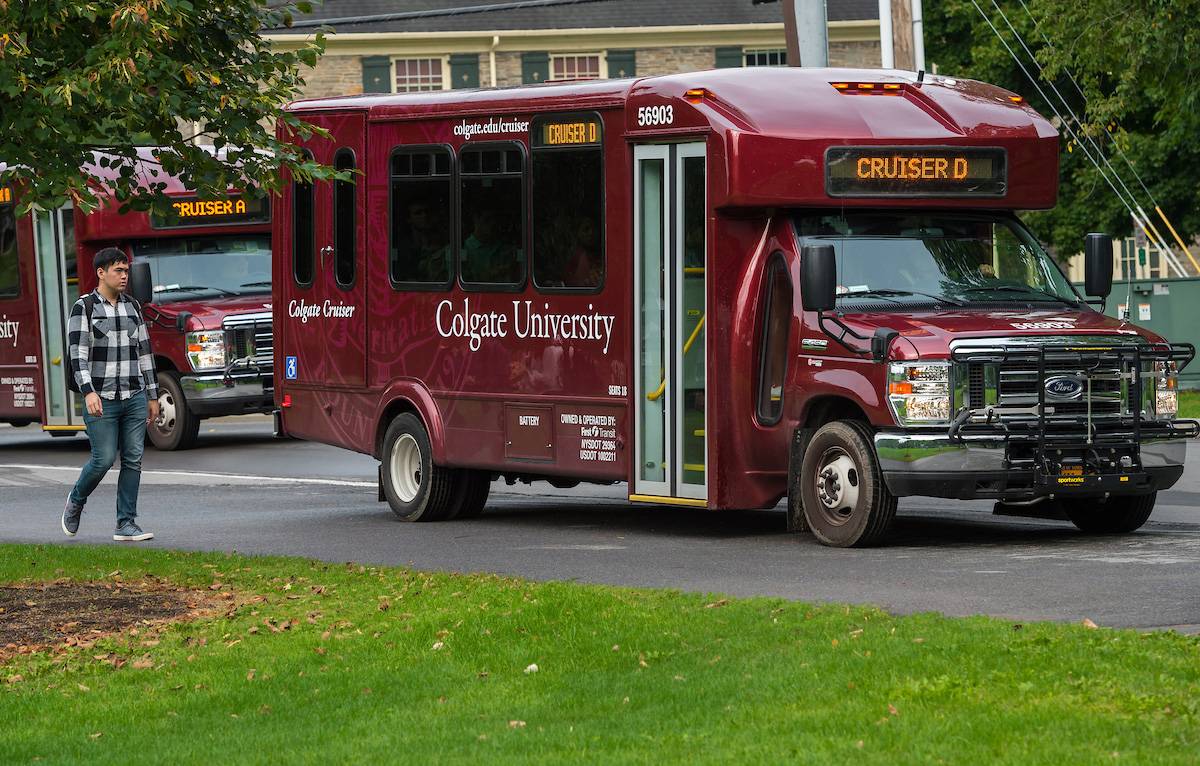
(177,427)
(845,501)
(416,489)
(1116,515)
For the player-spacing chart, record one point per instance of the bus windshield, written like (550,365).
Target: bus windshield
(186,268)
(889,258)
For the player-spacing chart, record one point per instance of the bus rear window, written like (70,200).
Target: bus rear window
(420,253)
(10,284)
(492,219)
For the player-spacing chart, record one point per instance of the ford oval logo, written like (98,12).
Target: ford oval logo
(1064,387)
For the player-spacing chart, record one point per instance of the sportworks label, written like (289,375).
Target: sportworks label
(526,322)
(306,311)
(9,329)
(492,127)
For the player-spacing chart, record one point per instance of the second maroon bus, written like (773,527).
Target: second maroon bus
(722,288)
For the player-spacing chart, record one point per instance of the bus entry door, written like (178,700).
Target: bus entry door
(330,349)
(670,453)
(58,289)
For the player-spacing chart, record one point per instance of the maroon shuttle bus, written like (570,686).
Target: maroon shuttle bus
(722,288)
(203,273)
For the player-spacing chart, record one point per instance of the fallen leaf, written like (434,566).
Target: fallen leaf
(144,663)
(1089,624)
(250,675)
(715,604)
(96,735)
(616,647)
(437,646)
(892,709)
(532,668)
(83,688)
(516,724)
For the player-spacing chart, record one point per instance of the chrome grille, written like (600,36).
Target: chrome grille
(1018,387)
(251,336)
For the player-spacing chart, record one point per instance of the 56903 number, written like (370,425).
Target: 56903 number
(655,115)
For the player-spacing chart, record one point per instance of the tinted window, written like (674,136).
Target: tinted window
(188,268)
(10,283)
(492,236)
(344,222)
(303,230)
(421,247)
(568,218)
(777,323)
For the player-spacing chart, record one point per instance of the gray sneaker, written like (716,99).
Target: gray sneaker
(70,517)
(131,533)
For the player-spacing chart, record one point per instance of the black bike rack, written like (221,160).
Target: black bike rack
(1105,443)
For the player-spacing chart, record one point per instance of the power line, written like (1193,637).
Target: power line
(429,13)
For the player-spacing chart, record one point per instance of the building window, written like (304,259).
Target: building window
(577,66)
(765,57)
(420,75)
(421,225)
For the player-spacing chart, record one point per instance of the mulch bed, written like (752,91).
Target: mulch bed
(65,614)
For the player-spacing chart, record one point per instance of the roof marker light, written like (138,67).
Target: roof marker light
(866,86)
(696,95)
(1017,99)
(840,85)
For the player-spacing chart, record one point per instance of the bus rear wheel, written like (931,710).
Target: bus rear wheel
(176,427)
(1116,515)
(845,501)
(416,489)
(471,490)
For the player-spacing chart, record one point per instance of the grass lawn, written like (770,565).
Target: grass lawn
(390,665)
(1189,404)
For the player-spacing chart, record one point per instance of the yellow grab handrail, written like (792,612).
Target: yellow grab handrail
(662,387)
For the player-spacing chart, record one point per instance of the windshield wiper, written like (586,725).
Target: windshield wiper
(884,292)
(256,284)
(195,289)
(1018,289)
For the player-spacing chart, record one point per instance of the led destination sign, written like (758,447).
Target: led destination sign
(193,211)
(572,132)
(891,171)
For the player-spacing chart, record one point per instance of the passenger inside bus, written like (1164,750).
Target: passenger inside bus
(422,251)
(491,254)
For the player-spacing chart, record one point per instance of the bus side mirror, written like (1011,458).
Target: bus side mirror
(139,282)
(818,277)
(1097,265)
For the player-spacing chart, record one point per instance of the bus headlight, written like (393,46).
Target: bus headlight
(919,393)
(206,350)
(1166,390)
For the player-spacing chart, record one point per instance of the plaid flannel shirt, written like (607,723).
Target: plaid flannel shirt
(112,357)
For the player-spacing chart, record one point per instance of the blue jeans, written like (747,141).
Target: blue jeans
(122,427)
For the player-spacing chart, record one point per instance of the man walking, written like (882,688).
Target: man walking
(114,370)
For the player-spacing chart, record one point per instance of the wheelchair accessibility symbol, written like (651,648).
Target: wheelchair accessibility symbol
(289,368)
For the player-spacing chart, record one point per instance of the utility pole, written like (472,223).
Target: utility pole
(806,28)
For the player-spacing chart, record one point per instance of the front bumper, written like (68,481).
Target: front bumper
(217,394)
(990,467)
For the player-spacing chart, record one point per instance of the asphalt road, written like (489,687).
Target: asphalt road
(240,490)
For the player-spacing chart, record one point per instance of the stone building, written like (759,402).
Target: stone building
(599,39)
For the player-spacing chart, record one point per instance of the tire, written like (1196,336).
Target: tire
(845,501)
(471,489)
(415,488)
(1117,515)
(177,426)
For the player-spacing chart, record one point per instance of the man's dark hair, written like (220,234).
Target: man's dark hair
(105,258)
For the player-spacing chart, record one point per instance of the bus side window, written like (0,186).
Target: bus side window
(777,324)
(420,237)
(303,229)
(10,284)
(568,204)
(492,216)
(345,222)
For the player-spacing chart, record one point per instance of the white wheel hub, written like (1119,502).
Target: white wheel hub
(166,412)
(838,483)
(405,468)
